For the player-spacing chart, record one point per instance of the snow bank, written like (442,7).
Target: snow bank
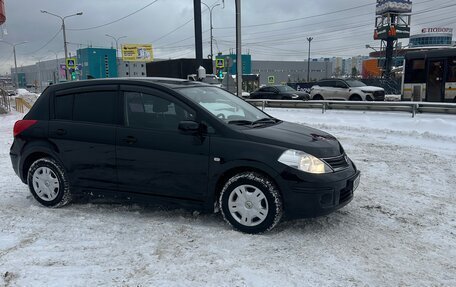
(398,231)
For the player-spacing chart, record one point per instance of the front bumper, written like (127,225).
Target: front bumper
(304,199)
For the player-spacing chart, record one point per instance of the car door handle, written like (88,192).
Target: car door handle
(60,132)
(130,140)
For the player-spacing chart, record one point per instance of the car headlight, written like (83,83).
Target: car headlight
(304,162)
(294,96)
(367,92)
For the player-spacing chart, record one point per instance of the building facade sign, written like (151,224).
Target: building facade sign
(437,30)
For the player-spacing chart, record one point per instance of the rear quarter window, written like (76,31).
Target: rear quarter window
(63,107)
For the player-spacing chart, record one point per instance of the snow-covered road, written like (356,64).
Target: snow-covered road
(400,229)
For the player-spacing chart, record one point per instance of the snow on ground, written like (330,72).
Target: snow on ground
(400,229)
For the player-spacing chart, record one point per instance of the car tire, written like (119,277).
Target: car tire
(355,97)
(251,203)
(317,98)
(48,183)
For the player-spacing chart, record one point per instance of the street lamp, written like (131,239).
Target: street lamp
(210,19)
(308,60)
(15,61)
(64,32)
(56,74)
(117,42)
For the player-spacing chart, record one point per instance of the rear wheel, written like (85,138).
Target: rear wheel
(48,183)
(250,202)
(317,98)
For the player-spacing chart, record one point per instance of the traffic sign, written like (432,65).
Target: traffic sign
(71,63)
(271,79)
(220,63)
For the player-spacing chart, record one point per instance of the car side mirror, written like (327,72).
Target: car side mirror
(189,127)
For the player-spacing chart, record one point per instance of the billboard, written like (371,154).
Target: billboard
(396,32)
(393,6)
(137,52)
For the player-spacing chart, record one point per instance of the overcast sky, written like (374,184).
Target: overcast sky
(343,33)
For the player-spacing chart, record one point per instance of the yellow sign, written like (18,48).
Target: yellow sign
(220,63)
(71,63)
(271,79)
(137,52)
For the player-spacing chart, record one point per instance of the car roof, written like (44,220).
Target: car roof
(171,83)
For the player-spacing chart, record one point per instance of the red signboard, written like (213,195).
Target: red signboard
(2,12)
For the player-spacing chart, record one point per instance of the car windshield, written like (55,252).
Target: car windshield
(285,89)
(355,83)
(226,106)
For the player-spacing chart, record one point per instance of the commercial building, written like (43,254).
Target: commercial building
(97,63)
(430,37)
(131,69)
(291,71)
(40,75)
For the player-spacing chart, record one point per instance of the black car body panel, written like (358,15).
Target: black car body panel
(279,93)
(117,159)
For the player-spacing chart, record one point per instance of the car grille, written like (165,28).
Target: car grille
(379,95)
(337,163)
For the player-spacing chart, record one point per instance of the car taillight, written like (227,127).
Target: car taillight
(22,125)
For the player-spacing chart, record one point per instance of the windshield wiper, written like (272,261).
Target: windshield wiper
(266,121)
(240,122)
(257,122)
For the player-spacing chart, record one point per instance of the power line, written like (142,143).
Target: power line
(179,27)
(340,28)
(47,43)
(302,18)
(174,30)
(115,21)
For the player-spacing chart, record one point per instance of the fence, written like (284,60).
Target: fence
(5,100)
(411,107)
(22,104)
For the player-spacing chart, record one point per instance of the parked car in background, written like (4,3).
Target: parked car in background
(180,142)
(279,92)
(347,90)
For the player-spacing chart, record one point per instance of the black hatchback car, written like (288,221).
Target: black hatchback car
(177,141)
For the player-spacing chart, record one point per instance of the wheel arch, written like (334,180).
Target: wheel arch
(33,151)
(355,95)
(229,172)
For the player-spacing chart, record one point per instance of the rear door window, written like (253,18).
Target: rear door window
(94,107)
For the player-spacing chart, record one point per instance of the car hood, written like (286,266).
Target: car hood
(298,137)
(370,89)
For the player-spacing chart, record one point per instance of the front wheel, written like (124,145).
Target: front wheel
(48,183)
(251,203)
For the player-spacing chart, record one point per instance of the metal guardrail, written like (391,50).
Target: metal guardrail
(411,107)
